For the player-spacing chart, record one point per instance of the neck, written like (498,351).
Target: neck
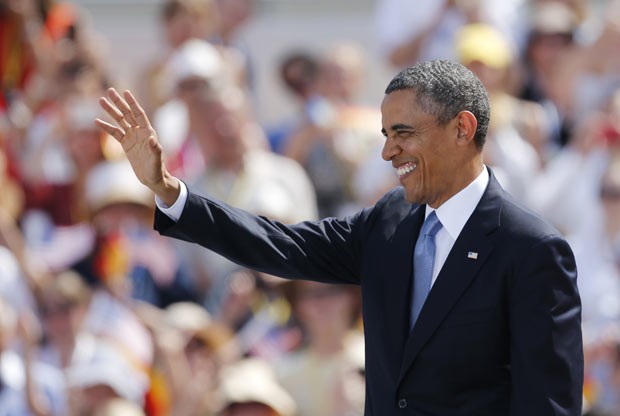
(467,174)
(327,348)
(327,344)
(231,164)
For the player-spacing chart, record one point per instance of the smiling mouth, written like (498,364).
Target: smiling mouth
(405,169)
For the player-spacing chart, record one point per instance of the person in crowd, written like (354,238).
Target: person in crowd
(195,68)
(59,149)
(567,190)
(596,252)
(126,256)
(18,61)
(62,201)
(41,35)
(181,20)
(298,72)
(29,387)
(101,374)
(22,277)
(467,336)
(236,163)
(551,35)
(600,281)
(57,39)
(257,309)
(189,344)
(590,73)
(412,32)
(325,375)
(517,131)
(232,17)
(63,308)
(337,133)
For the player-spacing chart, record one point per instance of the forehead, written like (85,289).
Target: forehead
(401,106)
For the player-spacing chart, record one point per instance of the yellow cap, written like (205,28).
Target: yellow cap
(479,42)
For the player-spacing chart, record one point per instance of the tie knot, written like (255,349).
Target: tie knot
(431,225)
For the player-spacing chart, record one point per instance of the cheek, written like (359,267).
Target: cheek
(433,170)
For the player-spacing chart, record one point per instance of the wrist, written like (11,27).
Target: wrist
(169,189)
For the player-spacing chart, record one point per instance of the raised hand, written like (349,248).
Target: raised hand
(139,141)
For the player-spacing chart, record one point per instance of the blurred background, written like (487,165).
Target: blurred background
(271,106)
(276,28)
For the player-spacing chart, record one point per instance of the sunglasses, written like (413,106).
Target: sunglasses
(610,193)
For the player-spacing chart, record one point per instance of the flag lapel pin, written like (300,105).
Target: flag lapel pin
(472,255)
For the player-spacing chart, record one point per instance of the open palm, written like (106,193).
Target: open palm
(137,137)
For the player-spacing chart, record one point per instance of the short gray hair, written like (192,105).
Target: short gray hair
(445,88)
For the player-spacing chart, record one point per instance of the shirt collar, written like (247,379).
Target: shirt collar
(455,212)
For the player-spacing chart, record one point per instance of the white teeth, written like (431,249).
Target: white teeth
(403,170)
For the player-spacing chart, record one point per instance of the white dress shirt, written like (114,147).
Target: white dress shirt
(175,210)
(453,215)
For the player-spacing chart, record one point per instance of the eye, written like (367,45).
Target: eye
(403,134)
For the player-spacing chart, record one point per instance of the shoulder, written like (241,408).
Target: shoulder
(522,220)
(387,213)
(393,199)
(392,203)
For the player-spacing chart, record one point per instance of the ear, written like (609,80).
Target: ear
(466,127)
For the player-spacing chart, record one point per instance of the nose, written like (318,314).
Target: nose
(390,149)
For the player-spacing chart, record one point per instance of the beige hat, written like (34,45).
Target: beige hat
(195,58)
(191,318)
(187,316)
(553,17)
(478,42)
(114,182)
(253,381)
(119,407)
(102,362)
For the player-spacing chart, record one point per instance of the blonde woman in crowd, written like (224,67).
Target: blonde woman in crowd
(325,373)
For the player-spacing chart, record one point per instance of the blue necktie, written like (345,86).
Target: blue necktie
(423,259)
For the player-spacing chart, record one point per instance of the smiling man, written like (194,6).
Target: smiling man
(470,301)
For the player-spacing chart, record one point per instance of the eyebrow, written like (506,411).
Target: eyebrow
(398,127)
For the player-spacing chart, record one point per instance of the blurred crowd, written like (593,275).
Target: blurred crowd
(99,315)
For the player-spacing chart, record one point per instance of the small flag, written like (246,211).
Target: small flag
(472,255)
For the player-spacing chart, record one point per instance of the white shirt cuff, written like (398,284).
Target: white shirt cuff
(175,210)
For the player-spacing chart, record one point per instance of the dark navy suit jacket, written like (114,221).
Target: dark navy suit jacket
(499,334)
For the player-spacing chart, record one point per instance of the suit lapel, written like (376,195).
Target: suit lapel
(457,272)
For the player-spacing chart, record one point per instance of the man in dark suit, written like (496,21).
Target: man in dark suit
(480,316)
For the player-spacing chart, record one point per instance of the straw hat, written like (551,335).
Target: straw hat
(105,363)
(253,381)
(194,320)
(114,182)
(553,17)
(195,58)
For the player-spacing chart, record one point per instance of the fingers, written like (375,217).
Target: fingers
(113,131)
(114,113)
(122,106)
(138,113)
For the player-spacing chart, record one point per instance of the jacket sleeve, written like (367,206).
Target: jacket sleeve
(326,251)
(545,322)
